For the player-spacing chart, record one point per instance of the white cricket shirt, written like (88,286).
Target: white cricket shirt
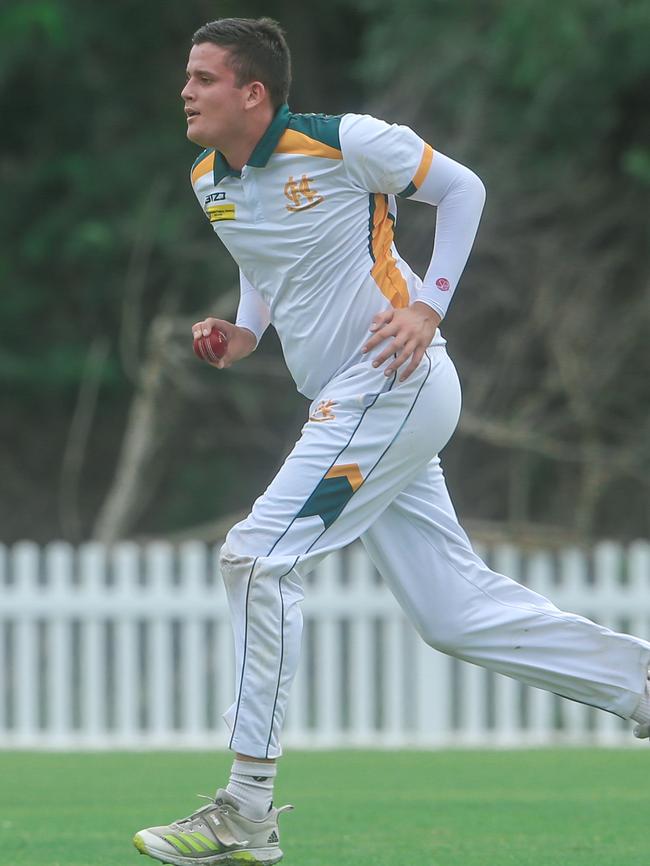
(309,220)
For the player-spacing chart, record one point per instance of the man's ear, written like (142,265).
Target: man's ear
(256,94)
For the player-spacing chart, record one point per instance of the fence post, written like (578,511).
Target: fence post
(193,692)
(159,569)
(59,690)
(125,559)
(26,563)
(92,568)
(362,687)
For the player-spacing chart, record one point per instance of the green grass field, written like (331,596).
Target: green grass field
(535,808)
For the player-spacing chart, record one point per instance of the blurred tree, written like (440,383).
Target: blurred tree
(550,328)
(106,244)
(105,259)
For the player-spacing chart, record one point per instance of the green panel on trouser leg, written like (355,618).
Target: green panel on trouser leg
(328,500)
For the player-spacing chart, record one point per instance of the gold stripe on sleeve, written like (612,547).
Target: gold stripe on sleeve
(425,165)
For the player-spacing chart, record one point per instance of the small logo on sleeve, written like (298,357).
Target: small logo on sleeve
(217,212)
(442,284)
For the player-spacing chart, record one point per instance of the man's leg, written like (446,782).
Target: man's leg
(343,472)
(459,606)
(349,463)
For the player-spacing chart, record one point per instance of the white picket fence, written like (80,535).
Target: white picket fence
(131,647)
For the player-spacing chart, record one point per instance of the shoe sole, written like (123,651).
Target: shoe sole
(247,856)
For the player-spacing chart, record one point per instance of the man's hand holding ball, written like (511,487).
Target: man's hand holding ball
(221,343)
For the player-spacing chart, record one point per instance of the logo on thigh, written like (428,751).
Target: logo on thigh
(323,412)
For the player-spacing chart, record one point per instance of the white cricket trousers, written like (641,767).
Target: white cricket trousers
(366,466)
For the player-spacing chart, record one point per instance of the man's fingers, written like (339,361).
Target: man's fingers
(403,356)
(415,360)
(393,348)
(208,325)
(381,319)
(388,330)
(204,327)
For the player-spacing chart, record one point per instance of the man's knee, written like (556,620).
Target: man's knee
(449,635)
(235,567)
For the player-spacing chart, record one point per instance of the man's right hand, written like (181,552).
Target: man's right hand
(241,341)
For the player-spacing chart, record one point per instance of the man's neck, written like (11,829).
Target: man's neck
(238,152)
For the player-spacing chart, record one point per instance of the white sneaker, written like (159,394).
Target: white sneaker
(215,834)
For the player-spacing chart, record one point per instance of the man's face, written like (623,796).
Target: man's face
(214,105)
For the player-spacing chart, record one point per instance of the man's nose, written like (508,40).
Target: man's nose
(186,92)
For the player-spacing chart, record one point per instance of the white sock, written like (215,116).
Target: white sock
(251,787)
(642,712)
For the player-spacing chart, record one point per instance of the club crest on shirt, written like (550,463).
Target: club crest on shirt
(300,194)
(323,412)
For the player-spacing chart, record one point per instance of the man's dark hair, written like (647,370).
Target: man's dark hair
(258,52)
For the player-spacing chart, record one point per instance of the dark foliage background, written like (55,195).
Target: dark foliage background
(108,425)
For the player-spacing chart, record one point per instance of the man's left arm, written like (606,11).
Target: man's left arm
(459,196)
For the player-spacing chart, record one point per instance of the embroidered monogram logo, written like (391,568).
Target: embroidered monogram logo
(300,194)
(323,412)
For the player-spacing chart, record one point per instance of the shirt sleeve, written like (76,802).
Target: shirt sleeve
(253,312)
(389,158)
(383,157)
(459,195)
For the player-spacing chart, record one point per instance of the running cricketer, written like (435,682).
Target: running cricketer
(306,204)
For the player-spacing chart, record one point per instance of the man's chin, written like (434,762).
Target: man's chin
(197,138)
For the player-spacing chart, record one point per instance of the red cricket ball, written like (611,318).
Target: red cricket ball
(211,348)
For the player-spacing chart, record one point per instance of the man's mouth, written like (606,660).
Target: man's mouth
(191,112)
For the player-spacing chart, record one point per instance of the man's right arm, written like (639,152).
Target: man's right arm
(253,318)
(253,312)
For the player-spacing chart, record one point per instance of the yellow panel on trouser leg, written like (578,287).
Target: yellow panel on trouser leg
(350,471)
